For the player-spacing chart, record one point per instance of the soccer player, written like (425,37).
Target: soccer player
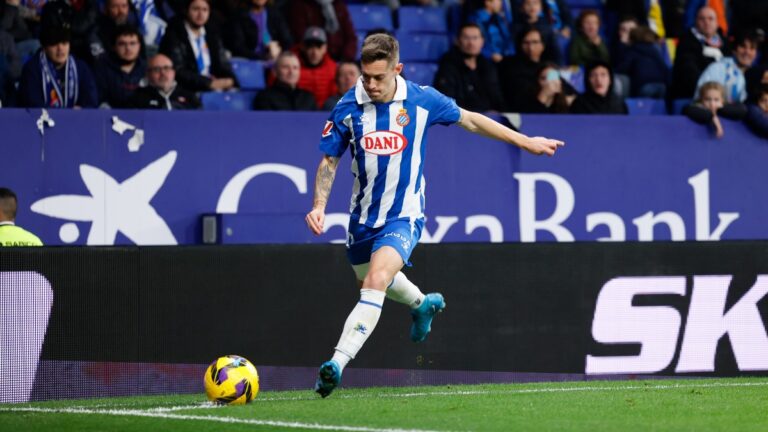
(384,121)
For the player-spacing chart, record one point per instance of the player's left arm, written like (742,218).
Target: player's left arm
(482,125)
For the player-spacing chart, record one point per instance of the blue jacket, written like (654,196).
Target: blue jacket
(495,28)
(115,86)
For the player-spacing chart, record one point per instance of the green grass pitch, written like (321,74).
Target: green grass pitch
(737,404)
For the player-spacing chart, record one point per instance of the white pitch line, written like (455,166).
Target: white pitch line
(519,391)
(235,420)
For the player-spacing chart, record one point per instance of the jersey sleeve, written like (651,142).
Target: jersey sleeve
(443,110)
(335,136)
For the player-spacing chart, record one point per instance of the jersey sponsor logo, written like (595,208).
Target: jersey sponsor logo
(383,143)
(327,128)
(402,118)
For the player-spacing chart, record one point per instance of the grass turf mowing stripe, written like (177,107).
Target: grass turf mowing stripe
(165,415)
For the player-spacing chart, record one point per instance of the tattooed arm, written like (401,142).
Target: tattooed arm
(326,173)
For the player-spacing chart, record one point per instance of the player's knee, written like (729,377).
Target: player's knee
(377,279)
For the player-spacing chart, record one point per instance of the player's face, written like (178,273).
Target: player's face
(198,13)
(57,53)
(745,54)
(348,75)
(706,22)
(379,80)
(288,71)
(471,41)
(600,80)
(127,48)
(117,10)
(590,26)
(712,99)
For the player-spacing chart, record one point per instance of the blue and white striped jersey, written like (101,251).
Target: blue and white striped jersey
(387,143)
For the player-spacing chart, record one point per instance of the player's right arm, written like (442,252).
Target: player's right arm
(326,173)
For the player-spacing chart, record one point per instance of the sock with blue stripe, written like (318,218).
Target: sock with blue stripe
(359,325)
(404,291)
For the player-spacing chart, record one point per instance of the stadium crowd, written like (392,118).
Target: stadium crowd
(530,56)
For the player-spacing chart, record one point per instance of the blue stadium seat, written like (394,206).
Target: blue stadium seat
(421,73)
(422,47)
(416,19)
(679,104)
(227,101)
(646,106)
(369,17)
(592,4)
(249,73)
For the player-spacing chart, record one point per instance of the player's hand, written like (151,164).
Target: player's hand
(541,145)
(315,220)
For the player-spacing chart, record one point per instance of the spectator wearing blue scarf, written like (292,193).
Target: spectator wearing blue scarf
(53,78)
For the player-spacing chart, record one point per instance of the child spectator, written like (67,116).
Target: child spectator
(757,115)
(710,105)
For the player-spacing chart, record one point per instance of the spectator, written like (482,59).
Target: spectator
(655,14)
(620,42)
(519,71)
(560,16)
(283,95)
(118,74)
(469,77)
(12,21)
(757,77)
(197,53)
(552,94)
(729,71)
(318,70)
(347,76)
(644,65)
(330,15)
(697,48)
(555,12)
(10,68)
(711,104)
(162,90)
(258,32)
(10,234)
(588,46)
(531,15)
(757,116)
(720,7)
(491,21)
(55,79)
(85,15)
(117,13)
(599,97)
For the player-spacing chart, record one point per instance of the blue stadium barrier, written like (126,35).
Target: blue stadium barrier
(646,106)
(369,17)
(415,19)
(422,47)
(249,73)
(679,104)
(421,73)
(228,101)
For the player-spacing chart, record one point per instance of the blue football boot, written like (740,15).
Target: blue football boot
(328,378)
(422,316)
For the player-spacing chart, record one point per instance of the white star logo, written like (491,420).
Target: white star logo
(114,207)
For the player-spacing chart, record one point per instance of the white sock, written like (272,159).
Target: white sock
(359,325)
(404,291)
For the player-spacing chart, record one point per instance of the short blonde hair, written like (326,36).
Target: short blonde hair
(380,46)
(712,85)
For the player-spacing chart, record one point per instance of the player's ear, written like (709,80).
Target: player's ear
(398,68)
